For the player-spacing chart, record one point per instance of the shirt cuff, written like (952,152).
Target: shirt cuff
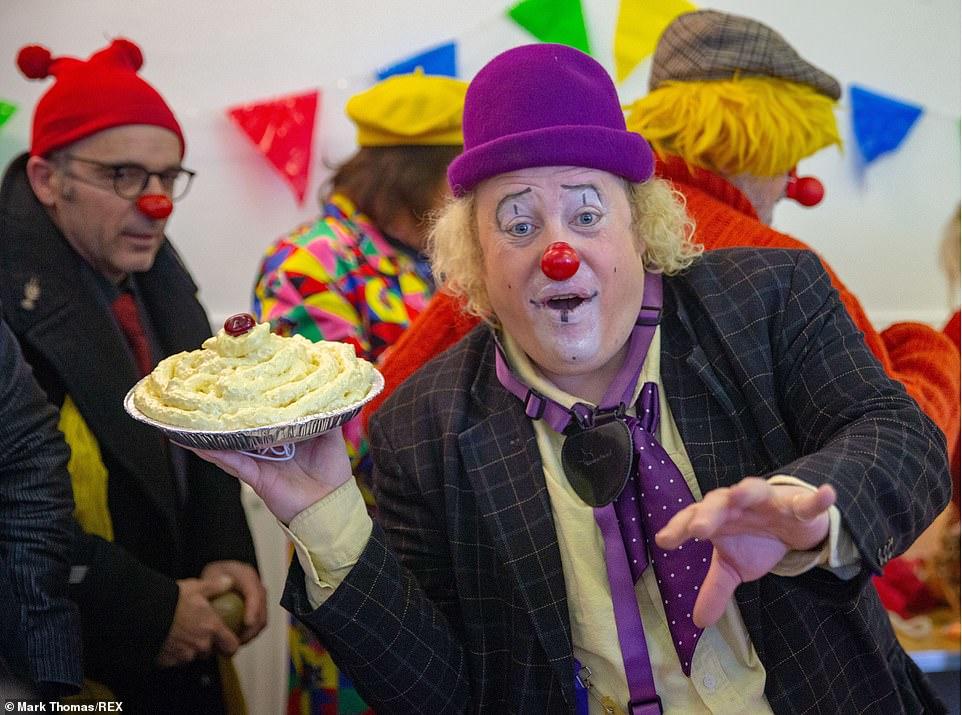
(837,554)
(328,538)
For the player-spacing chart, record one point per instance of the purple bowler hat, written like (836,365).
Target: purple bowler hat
(545,105)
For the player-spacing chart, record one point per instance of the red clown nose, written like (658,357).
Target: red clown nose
(806,190)
(155,205)
(559,261)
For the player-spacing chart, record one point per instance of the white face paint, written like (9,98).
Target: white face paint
(575,330)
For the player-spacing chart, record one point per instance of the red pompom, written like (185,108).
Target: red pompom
(34,61)
(127,52)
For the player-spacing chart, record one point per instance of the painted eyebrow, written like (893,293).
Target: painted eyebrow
(510,197)
(583,187)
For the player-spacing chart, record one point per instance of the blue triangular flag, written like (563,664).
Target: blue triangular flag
(440,60)
(880,123)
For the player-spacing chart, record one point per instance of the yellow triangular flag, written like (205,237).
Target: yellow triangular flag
(640,24)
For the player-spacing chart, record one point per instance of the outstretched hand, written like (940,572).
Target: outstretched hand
(751,525)
(319,466)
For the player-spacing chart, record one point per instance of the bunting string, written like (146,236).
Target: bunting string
(282,129)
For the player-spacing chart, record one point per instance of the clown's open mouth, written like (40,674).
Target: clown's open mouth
(566,303)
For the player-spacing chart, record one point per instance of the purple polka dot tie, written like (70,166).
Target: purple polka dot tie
(644,507)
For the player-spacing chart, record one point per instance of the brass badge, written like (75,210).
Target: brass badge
(31,294)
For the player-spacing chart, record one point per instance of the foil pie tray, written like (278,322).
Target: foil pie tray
(253,439)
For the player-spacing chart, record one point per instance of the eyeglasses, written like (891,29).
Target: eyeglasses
(130,180)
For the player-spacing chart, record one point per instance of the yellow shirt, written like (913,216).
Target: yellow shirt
(726,675)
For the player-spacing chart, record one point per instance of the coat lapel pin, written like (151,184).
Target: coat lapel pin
(31,294)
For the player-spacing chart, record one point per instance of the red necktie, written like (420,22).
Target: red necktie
(128,317)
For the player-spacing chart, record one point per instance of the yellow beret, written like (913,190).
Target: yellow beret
(409,109)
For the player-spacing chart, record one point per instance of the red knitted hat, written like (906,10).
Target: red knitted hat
(88,97)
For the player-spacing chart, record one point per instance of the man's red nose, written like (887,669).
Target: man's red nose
(155,206)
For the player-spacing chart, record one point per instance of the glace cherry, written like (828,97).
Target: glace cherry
(239,324)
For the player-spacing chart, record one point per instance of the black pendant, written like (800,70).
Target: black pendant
(598,461)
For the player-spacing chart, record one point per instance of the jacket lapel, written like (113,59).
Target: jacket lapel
(709,414)
(87,349)
(503,465)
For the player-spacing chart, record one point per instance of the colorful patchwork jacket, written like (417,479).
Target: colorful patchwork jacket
(339,278)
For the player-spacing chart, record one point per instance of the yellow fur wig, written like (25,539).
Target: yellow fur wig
(755,125)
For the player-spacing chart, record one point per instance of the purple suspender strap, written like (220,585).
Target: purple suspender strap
(643,700)
(536,405)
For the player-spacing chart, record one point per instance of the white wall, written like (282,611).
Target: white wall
(880,232)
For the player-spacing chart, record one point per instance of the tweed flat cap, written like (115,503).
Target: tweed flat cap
(708,45)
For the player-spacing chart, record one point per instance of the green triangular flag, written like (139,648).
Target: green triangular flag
(6,111)
(560,21)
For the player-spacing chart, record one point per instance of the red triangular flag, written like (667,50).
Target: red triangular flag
(283,131)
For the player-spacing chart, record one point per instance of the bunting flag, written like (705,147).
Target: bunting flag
(283,131)
(560,21)
(6,111)
(441,60)
(880,123)
(640,24)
